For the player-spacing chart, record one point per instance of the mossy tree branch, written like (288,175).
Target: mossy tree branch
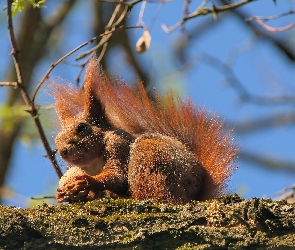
(222,223)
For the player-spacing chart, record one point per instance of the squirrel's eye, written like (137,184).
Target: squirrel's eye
(82,127)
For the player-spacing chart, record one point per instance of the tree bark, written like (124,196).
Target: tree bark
(221,223)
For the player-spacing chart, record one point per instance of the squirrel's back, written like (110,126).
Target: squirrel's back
(132,110)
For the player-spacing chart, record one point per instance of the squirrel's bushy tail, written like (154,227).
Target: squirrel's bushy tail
(132,110)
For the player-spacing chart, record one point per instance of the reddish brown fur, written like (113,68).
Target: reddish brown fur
(69,101)
(131,110)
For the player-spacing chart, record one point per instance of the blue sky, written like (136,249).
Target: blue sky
(257,65)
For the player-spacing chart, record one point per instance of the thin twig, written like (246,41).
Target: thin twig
(201,11)
(155,16)
(110,28)
(141,13)
(185,13)
(268,18)
(185,8)
(42,198)
(14,53)
(104,40)
(82,65)
(263,123)
(272,29)
(103,51)
(286,194)
(53,65)
(277,42)
(119,1)
(32,110)
(268,161)
(106,36)
(234,82)
(13,84)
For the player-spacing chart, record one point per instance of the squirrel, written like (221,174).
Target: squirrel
(122,143)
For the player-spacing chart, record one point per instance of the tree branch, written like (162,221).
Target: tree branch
(110,28)
(272,29)
(278,43)
(268,161)
(20,84)
(227,222)
(202,11)
(263,123)
(236,84)
(267,27)
(13,84)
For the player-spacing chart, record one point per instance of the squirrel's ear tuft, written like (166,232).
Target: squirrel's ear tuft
(93,107)
(69,101)
(92,72)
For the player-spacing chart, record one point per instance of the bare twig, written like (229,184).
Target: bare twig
(122,9)
(53,65)
(103,51)
(104,40)
(42,198)
(201,11)
(185,13)
(278,43)
(272,29)
(141,13)
(185,8)
(32,110)
(243,94)
(110,28)
(13,84)
(82,66)
(263,123)
(132,3)
(157,12)
(286,194)
(268,161)
(268,18)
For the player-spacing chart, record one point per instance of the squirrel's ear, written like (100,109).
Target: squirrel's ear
(69,101)
(93,107)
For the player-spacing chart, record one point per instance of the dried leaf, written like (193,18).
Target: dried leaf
(143,42)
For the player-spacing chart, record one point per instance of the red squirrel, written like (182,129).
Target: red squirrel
(124,144)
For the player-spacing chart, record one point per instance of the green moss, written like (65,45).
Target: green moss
(224,222)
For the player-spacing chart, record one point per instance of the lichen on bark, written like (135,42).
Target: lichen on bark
(221,223)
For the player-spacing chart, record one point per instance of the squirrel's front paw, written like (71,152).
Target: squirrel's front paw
(75,185)
(61,195)
(68,196)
